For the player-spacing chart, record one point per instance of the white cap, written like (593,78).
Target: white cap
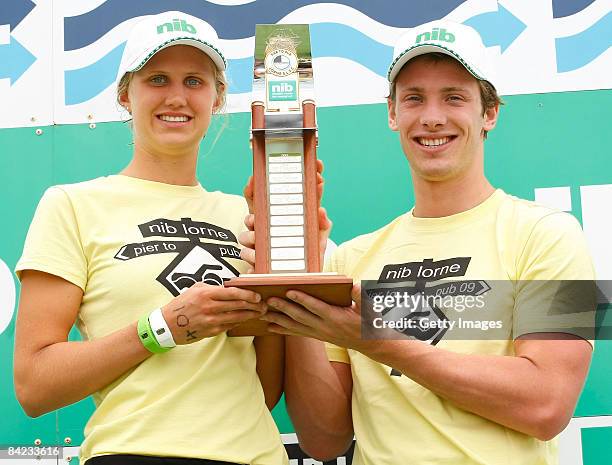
(158,32)
(454,39)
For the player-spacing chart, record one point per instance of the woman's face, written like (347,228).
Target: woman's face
(171,100)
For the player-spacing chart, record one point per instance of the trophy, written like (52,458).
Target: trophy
(284,143)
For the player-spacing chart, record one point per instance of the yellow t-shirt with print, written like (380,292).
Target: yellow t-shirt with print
(504,240)
(132,245)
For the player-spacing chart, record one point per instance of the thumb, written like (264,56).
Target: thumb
(248,193)
(356,296)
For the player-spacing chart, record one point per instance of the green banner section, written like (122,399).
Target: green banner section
(595,445)
(541,141)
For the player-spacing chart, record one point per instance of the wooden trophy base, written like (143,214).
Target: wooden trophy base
(332,288)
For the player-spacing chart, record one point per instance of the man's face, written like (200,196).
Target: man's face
(438,114)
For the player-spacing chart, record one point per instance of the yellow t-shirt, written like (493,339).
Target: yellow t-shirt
(504,239)
(132,245)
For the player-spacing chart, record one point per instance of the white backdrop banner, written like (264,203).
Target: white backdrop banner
(58,59)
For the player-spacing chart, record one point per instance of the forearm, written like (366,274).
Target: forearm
(317,401)
(511,390)
(270,351)
(65,372)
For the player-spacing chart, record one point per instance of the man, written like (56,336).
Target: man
(435,398)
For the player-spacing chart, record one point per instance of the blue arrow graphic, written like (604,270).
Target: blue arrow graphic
(497,27)
(562,8)
(238,21)
(15,60)
(13,11)
(576,51)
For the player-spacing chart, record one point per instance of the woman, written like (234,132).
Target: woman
(119,255)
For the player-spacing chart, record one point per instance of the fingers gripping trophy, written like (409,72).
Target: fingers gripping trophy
(284,142)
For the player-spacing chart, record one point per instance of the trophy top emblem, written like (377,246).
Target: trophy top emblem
(281,55)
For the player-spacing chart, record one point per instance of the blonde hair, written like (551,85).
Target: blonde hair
(221,88)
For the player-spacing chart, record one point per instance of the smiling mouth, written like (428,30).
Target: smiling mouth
(431,142)
(174,119)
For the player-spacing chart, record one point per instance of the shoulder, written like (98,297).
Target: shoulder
(529,217)
(61,205)
(63,194)
(548,243)
(68,191)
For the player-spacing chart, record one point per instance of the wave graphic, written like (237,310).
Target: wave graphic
(327,40)
(576,51)
(562,8)
(238,21)
(338,40)
(85,83)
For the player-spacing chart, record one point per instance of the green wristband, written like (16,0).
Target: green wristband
(148,338)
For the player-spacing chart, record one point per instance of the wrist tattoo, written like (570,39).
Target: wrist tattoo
(182,321)
(191,336)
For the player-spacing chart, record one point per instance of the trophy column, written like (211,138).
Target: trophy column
(283,80)
(285,188)
(284,142)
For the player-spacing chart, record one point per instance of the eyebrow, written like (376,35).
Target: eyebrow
(160,71)
(443,90)
(454,89)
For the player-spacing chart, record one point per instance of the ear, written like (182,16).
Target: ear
(124,100)
(490,118)
(218,100)
(392,115)
(216,105)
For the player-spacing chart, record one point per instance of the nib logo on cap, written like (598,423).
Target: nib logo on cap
(436,34)
(176,25)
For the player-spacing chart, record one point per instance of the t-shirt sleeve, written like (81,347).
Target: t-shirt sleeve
(53,243)
(331,263)
(556,289)
(336,354)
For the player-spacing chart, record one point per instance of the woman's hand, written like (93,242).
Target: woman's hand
(205,311)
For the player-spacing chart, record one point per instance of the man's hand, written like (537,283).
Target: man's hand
(304,315)
(247,238)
